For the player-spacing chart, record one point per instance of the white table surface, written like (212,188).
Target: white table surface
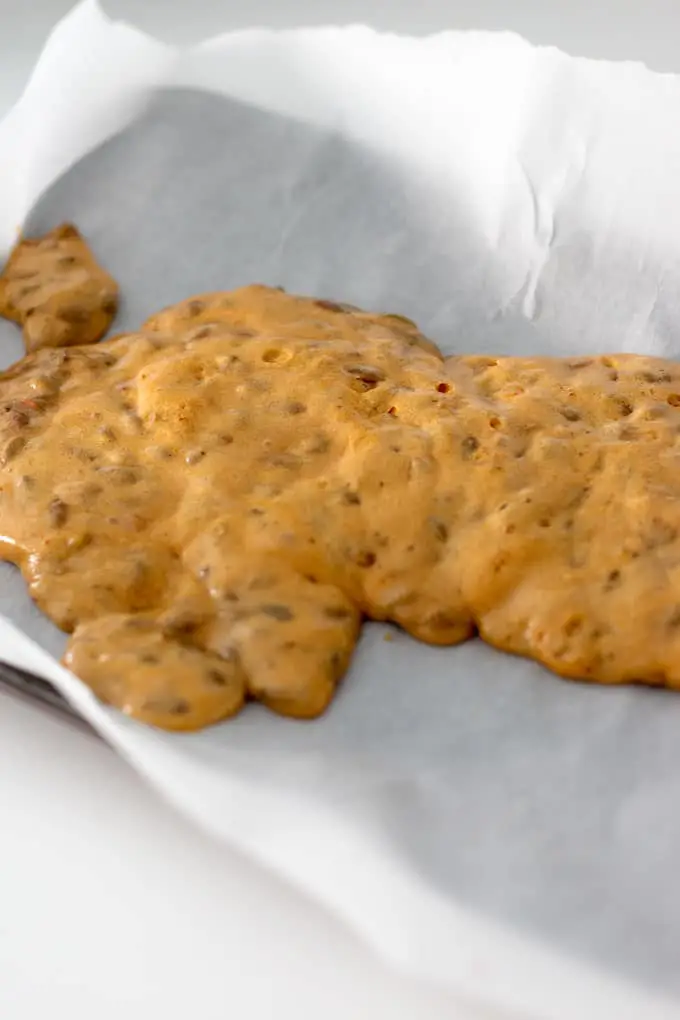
(110,905)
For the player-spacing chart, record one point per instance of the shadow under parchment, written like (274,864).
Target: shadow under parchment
(548,805)
(204,193)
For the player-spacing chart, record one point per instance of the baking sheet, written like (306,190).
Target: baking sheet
(479,821)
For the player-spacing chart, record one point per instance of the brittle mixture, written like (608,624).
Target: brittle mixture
(54,288)
(212,505)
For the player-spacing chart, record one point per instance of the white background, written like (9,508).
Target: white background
(110,905)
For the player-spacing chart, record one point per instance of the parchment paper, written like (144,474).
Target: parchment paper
(480,822)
